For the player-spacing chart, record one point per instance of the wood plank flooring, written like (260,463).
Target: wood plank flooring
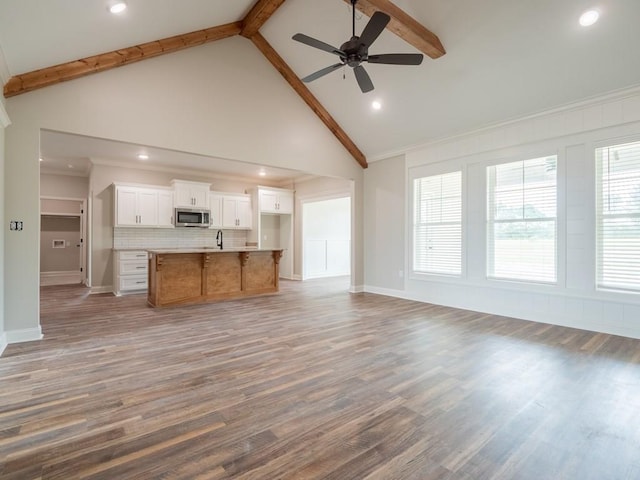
(313,383)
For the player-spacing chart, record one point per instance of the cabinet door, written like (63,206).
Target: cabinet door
(165,209)
(215,205)
(243,212)
(126,207)
(268,201)
(183,197)
(229,212)
(285,202)
(200,197)
(148,207)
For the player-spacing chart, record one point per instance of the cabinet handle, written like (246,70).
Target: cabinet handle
(141,281)
(141,268)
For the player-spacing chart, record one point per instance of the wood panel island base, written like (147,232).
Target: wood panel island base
(181,277)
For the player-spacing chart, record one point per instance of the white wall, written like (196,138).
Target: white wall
(572,133)
(63,186)
(4,121)
(221,99)
(384,224)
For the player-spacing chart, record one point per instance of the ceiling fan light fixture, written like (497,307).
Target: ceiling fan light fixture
(589,17)
(117,7)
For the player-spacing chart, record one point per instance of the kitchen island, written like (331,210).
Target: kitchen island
(185,276)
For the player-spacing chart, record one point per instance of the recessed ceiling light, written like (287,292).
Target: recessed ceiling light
(117,7)
(41,160)
(143,156)
(589,17)
(262,173)
(70,166)
(376,105)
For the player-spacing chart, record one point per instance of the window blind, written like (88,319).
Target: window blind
(618,217)
(437,233)
(521,220)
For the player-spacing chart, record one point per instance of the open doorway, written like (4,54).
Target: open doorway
(62,241)
(326,238)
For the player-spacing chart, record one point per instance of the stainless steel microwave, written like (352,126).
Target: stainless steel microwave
(192,217)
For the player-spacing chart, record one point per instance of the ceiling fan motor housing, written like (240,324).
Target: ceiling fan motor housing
(356,52)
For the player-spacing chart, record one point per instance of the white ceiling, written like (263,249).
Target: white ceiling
(505,58)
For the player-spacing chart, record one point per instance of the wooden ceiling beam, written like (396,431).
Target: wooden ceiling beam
(44,77)
(300,88)
(405,26)
(258,16)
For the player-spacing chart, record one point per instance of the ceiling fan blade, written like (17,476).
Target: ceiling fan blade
(321,73)
(374,28)
(397,58)
(312,42)
(364,81)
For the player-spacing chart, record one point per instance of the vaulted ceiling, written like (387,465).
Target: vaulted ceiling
(504,59)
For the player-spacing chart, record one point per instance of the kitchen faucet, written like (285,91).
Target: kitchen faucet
(219,239)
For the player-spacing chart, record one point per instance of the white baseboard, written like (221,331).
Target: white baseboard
(24,335)
(3,342)
(101,289)
(388,292)
(296,277)
(60,278)
(356,289)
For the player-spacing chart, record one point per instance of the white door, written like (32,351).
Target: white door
(326,238)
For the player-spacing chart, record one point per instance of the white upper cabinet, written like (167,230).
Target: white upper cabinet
(275,200)
(236,212)
(191,194)
(165,208)
(215,205)
(143,207)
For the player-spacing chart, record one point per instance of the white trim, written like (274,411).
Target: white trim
(101,289)
(5,121)
(3,342)
(356,289)
(60,278)
(24,335)
(296,277)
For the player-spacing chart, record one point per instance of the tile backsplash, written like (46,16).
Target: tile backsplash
(146,238)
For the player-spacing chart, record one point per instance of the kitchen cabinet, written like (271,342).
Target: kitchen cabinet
(136,207)
(130,272)
(275,200)
(215,205)
(191,194)
(165,208)
(236,212)
(143,206)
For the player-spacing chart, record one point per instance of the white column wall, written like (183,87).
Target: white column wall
(572,133)
(222,99)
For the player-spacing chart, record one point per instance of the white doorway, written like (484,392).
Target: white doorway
(326,238)
(62,241)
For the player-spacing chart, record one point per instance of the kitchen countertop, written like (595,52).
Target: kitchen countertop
(164,251)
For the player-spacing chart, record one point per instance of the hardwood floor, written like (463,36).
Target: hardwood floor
(313,383)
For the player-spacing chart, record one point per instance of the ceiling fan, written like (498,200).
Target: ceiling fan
(356,50)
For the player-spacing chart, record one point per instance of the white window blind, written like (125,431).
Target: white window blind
(437,226)
(521,220)
(618,217)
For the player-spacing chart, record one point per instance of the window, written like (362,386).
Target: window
(521,220)
(437,224)
(618,217)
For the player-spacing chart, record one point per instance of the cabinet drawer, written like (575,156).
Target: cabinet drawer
(133,267)
(133,282)
(133,255)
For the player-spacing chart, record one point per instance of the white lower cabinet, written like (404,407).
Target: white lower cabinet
(130,272)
